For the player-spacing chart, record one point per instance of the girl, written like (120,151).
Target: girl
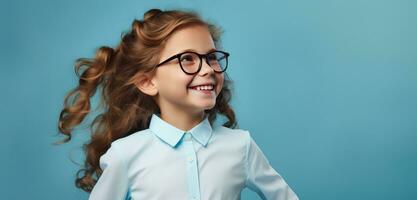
(162,88)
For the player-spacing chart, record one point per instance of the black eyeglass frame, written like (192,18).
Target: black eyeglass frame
(201,56)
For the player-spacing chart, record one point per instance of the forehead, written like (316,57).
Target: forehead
(193,37)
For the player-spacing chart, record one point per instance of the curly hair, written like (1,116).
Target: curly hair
(125,109)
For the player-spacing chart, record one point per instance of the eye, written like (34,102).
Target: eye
(186,58)
(212,57)
(189,58)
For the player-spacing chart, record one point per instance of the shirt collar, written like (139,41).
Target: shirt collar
(172,135)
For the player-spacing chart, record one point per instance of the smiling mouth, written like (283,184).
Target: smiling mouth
(203,88)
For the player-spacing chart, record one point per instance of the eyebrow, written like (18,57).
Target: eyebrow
(193,50)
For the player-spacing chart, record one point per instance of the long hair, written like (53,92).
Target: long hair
(125,109)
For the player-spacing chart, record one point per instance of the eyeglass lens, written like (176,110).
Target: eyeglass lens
(190,62)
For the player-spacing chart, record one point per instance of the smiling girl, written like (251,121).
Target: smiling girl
(162,88)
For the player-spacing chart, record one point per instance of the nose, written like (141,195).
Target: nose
(205,68)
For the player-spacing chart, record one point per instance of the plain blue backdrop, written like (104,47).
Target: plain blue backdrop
(328,89)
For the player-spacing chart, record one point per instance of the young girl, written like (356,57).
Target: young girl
(162,88)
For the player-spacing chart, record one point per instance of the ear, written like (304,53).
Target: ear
(146,84)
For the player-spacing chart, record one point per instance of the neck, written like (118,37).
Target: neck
(182,120)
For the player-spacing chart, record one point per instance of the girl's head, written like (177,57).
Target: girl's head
(136,82)
(180,69)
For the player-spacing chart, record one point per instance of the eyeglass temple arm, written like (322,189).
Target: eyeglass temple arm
(167,60)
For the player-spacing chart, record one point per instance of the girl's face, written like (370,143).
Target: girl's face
(173,85)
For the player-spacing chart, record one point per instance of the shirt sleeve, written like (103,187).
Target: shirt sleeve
(262,178)
(113,182)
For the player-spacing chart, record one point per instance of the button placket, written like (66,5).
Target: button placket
(192,168)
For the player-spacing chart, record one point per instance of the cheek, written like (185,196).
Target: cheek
(179,84)
(173,81)
(220,81)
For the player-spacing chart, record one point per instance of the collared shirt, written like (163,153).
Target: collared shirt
(166,163)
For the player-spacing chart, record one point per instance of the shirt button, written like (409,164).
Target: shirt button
(190,160)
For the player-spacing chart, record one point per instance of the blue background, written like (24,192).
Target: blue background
(328,89)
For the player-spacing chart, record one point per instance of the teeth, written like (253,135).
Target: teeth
(205,87)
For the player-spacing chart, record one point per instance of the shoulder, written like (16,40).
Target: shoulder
(226,131)
(133,139)
(127,146)
(238,136)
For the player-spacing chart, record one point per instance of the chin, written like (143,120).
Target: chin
(208,106)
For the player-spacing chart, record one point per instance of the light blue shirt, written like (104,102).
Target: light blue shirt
(164,162)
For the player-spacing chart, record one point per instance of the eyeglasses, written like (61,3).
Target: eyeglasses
(190,62)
